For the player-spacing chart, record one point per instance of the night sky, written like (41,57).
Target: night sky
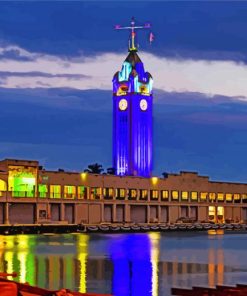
(57,60)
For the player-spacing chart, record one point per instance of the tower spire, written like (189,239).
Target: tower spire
(132,28)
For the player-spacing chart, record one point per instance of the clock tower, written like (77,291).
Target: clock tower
(132,114)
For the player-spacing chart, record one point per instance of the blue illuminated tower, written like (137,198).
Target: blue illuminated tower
(132,114)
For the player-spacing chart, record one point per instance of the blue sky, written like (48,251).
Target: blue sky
(57,60)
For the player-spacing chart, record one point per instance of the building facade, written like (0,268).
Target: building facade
(30,194)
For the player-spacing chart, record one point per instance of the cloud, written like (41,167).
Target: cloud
(24,69)
(6,74)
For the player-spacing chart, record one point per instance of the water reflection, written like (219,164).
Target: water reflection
(125,265)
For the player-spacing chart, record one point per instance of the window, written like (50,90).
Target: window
(82,192)
(143,194)
(203,196)
(154,194)
(236,197)
(95,193)
(42,214)
(211,213)
(55,191)
(220,197)
(244,198)
(69,191)
(22,181)
(228,197)
(2,187)
(120,193)
(194,196)
(108,193)
(132,194)
(185,195)
(212,196)
(165,195)
(42,190)
(175,195)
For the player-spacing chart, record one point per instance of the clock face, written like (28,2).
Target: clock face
(143,105)
(123,104)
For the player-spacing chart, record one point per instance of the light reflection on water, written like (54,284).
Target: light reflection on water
(126,264)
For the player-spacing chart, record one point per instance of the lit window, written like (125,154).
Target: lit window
(120,193)
(108,193)
(244,198)
(174,195)
(55,191)
(82,192)
(220,214)
(203,196)
(132,193)
(211,213)
(220,196)
(212,196)
(95,193)
(194,196)
(43,190)
(164,194)
(22,181)
(2,187)
(143,194)
(69,191)
(229,197)
(185,195)
(154,194)
(236,197)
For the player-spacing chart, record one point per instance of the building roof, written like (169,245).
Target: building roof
(133,58)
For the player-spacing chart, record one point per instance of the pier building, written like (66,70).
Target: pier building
(31,194)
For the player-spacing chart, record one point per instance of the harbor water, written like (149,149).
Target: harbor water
(126,264)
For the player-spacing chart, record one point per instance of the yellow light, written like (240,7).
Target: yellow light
(154,180)
(22,257)
(82,253)
(9,257)
(83,176)
(154,239)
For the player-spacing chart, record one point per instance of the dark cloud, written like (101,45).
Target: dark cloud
(15,54)
(62,98)
(6,74)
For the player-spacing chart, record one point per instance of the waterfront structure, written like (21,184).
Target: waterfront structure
(30,194)
(132,114)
